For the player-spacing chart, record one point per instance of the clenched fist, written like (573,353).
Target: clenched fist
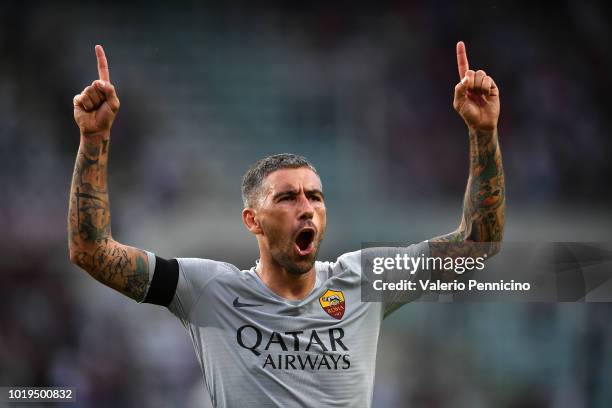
(95,108)
(476,95)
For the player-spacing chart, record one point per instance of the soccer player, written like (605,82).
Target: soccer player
(291,331)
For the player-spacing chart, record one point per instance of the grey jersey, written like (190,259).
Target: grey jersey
(257,349)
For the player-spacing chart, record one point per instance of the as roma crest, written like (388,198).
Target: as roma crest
(333,303)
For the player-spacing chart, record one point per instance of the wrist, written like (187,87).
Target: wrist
(94,137)
(480,133)
(482,129)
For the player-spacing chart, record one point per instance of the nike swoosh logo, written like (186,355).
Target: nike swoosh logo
(238,303)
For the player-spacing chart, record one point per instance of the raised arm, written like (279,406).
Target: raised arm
(477,102)
(90,242)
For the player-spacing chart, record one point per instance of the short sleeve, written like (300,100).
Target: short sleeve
(355,261)
(194,274)
(394,300)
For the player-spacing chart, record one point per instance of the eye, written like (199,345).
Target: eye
(316,198)
(286,198)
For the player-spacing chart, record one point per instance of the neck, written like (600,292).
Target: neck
(284,283)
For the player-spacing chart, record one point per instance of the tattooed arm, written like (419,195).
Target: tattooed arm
(90,242)
(477,102)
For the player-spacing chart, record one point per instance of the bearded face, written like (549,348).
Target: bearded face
(292,217)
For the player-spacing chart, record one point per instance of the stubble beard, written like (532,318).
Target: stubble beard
(283,253)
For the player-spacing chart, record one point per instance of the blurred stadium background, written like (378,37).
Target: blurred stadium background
(365,92)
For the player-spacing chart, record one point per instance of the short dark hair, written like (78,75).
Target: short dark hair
(254,177)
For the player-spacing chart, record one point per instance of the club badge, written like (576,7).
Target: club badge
(333,303)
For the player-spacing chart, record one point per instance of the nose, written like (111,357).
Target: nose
(305,208)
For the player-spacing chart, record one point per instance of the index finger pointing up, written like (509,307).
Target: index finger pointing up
(102,64)
(462,61)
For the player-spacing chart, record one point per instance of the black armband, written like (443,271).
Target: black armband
(164,282)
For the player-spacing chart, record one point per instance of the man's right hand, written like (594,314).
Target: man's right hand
(95,108)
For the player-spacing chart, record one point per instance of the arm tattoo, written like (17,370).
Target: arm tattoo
(483,205)
(89,233)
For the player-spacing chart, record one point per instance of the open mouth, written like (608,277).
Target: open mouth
(304,241)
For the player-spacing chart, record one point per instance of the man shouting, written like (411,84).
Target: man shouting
(291,331)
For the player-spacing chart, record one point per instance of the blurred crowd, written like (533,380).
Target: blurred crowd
(365,92)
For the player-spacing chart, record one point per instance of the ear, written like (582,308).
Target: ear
(249,218)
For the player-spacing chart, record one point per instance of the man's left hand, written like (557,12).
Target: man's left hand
(476,95)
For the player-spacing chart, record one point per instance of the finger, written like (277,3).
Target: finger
(478,78)
(76,101)
(462,61)
(468,79)
(487,84)
(102,64)
(493,90)
(98,90)
(93,95)
(86,102)
(110,95)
